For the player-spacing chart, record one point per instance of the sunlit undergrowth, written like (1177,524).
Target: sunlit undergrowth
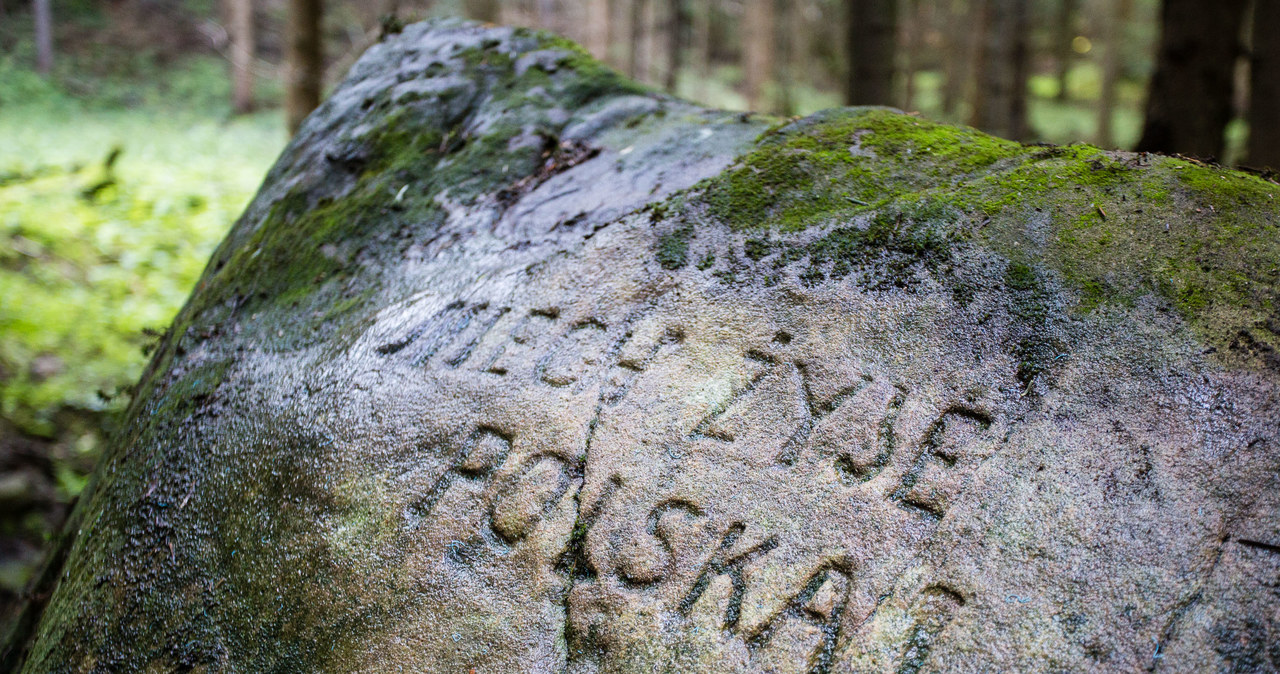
(107,218)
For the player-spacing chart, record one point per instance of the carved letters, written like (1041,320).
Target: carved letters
(484,452)
(820,415)
(820,606)
(931,483)
(727,562)
(530,495)
(650,558)
(933,609)
(520,502)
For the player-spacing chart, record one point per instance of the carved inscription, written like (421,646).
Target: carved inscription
(629,366)
(575,354)
(863,445)
(527,340)
(817,609)
(574,562)
(821,415)
(1233,611)
(467,339)
(458,323)
(649,559)
(931,483)
(520,502)
(483,453)
(760,365)
(817,409)
(530,495)
(539,343)
(727,561)
(933,610)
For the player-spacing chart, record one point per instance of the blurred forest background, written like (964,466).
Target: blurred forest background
(132,133)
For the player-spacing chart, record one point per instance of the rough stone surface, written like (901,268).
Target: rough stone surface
(516,366)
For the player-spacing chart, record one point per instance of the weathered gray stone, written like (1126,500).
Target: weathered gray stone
(516,366)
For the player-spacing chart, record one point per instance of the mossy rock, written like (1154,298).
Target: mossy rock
(515,365)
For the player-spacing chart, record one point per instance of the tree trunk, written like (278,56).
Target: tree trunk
(917,21)
(757,51)
(1064,51)
(616,402)
(304,61)
(597,29)
(1264,87)
(243,41)
(677,27)
(1189,103)
(43,14)
(1020,59)
(958,55)
(1000,106)
(872,41)
(635,54)
(651,41)
(788,17)
(548,16)
(700,46)
(1122,10)
(488,11)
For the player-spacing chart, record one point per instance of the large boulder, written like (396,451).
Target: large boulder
(514,365)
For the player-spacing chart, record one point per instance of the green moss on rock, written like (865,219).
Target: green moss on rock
(673,248)
(487,135)
(841,161)
(1115,226)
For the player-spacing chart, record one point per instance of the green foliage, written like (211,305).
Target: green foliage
(96,258)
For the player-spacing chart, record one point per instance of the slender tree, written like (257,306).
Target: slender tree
(872,39)
(757,51)
(488,11)
(959,51)
(1063,37)
(636,65)
(597,18)
(548,16)
(1189,103)
(243,39)
(1019,26)
(788,17)
(700,45)
(1264,87)
(43,11)
(1121,11)
(913,29)
(677,29)
(1003,63)
(652,41)
(304,61)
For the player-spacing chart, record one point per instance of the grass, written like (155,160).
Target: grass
(99,253)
